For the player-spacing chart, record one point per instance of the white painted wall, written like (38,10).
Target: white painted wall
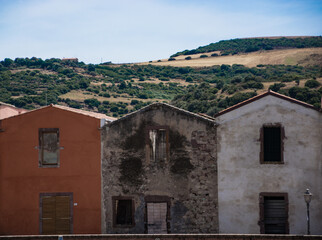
(241,177)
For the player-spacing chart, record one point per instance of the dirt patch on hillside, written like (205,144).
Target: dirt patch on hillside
(79,95)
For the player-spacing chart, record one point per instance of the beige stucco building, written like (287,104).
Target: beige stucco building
(7,110)
(269,151)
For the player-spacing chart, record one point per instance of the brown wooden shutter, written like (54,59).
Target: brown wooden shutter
(62,214)
(48,215)
(56,214)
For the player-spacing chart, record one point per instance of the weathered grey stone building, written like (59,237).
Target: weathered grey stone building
(159,172)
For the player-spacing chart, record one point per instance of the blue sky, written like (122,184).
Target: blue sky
(124,31)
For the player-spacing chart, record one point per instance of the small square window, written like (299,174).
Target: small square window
(272,144)
(48,147)
(123,212)
(158,141)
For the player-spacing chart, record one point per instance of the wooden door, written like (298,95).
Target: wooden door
(56,214)
(157,218)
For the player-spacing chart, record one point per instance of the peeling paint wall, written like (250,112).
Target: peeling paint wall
(241,177)
(187,175)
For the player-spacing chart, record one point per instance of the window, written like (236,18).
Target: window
(123,212)
(158,141)
(48,147)
(272,144)
(157,214)
(274,213)
(56,213)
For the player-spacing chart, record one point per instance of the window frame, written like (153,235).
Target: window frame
(117,198)
(282,135)
(262,196)
(147,141)
(41,163)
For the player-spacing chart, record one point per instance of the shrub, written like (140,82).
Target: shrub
(189,79)
(171,59)
(164,79)
(203,56)
(143,96)
(134,102)
(188,58)
(92,102)
(276,86)
(312,83)
(214,55)
(114,109)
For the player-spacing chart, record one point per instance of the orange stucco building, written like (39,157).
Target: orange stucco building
(50,172)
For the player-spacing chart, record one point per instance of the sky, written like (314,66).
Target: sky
(127,31)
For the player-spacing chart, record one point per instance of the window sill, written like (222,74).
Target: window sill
(271,162)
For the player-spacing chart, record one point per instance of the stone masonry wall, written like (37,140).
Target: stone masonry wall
(188,178)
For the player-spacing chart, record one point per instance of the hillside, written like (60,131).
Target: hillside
(119,89)
(245,45)
(296,56)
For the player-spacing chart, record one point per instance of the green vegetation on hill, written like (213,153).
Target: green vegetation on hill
(118,90)
(235,46)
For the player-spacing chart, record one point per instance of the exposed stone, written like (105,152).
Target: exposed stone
(186,179)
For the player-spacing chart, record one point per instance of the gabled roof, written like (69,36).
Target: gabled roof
(269,92)
(87,113)
(83,112)
(157,105)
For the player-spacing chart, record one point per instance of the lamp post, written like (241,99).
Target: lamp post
(307,198)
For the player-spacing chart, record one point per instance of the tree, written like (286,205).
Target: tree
(91,67)
(7,62)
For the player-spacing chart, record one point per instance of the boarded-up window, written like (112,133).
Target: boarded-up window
(157,218)
(272,144)
(158,144)
(123,212)
(55,213)
(157,214)
(274,213)
(49,147)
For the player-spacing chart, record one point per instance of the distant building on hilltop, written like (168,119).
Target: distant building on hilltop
(70,59)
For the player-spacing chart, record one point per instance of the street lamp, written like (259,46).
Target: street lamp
(307,198)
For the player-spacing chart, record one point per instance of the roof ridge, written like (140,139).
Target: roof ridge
(269,92)
(70,109)
(162,104)
(84,112)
